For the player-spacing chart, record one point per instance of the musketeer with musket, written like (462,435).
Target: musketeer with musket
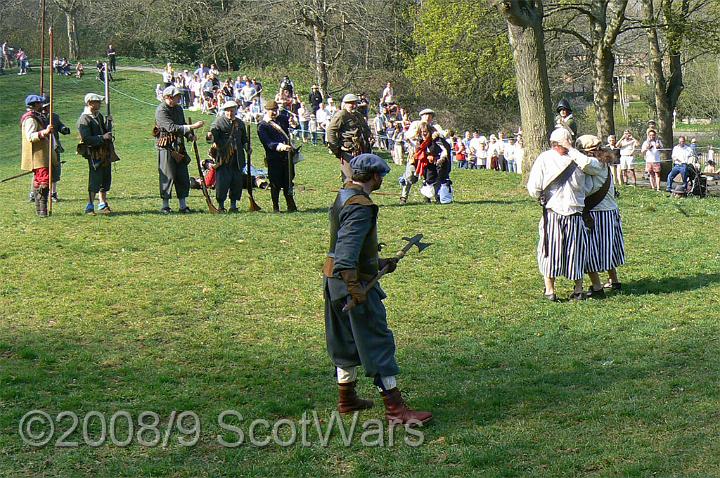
(170,132)
(348,135)
(95,146)
(230,142)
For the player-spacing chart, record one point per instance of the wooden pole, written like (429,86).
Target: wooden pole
(42,48)
(52,135)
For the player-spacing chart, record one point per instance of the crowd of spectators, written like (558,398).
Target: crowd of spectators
(204,90)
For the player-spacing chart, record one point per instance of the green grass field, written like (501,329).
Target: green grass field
(142,312)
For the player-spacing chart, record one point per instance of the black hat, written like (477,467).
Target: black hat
(563,105)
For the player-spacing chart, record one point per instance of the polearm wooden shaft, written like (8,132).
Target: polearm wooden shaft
(42,47)
(52,135)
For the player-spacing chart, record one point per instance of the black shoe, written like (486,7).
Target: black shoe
(55,198)
(577,296)
(233,210)
(403,200)
(595,294)
(165,210)
(222,210)
(186,210)
(552,297)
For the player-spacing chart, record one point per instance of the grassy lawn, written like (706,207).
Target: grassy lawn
(140,311)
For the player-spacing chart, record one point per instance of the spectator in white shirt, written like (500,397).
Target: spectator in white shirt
(388,96)
(248,92)
(322,118)
(476,146)
(510,155)
(681,156)
(627,145)
(651,149)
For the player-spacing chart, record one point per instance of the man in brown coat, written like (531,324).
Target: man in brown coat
(348,135)
(36,151)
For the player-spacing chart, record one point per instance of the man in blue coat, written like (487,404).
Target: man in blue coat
(360,335)
(274,135)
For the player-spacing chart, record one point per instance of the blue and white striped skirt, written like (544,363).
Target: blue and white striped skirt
(606,247)
(567,246)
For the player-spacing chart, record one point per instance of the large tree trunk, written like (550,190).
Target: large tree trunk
(525,28)
(603,69)
(533,90)
(73,46)
(321,70)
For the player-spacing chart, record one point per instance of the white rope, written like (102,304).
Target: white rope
(133,98)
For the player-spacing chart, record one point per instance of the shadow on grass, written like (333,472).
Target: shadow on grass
(670,285)
(411,205)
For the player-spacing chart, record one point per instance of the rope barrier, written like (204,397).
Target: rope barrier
(154,105)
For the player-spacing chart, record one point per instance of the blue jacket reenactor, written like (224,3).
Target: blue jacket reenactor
(274,134)
(360,335)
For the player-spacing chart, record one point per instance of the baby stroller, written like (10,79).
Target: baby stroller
(697,184)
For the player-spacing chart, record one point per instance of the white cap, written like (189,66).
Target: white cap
(560,135)
(171,91)
(227,105)
(93,97)
(427,111)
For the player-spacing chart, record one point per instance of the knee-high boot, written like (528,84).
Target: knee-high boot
(290,200)
(275,195)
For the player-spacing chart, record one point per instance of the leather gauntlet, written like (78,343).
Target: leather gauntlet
(350,277)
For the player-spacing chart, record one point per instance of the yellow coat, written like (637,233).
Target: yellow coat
(35,150)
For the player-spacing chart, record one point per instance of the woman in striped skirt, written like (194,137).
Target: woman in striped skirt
(606,247)
(559,179)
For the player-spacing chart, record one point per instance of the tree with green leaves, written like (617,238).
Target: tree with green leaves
(594,24)
(463,57)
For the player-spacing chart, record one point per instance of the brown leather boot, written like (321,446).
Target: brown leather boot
(349,401)
(41,201)
(397,412)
